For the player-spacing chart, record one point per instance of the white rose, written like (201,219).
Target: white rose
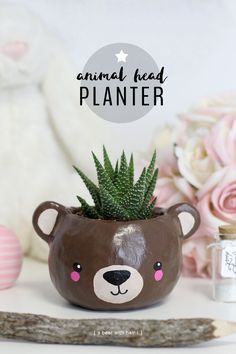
(163,139)
(193,161)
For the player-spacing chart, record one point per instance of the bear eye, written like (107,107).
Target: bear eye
(77,267)
(157,265)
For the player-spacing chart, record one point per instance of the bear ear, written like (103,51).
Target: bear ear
(188,217)
(45,218)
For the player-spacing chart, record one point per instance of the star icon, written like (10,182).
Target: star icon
(121,56)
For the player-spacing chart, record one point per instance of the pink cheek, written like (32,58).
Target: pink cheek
(75,276)
(158,275)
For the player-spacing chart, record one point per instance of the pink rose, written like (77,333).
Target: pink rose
(196,257)
(217,200)
(172,190)
(168,166)
(221,141)
(217,107)
(210,110)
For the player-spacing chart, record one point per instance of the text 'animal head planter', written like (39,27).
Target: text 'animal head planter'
(114,262)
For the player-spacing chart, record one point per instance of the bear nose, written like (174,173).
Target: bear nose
(116,277)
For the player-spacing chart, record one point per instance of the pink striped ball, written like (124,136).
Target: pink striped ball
(10,257)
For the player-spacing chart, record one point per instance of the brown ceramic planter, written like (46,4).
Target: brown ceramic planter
(115,265)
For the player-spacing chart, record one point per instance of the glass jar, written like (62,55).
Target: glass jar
(224,264)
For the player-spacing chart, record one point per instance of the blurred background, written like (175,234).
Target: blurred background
(43,46)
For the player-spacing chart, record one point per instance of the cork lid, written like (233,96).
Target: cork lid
(227,232)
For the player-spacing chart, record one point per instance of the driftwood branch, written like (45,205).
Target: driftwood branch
(124,332)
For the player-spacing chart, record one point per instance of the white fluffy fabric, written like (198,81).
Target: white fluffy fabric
(42,128)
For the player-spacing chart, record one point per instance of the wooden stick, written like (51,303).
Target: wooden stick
(125,332)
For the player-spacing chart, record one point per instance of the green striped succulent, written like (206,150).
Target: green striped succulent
(117,196)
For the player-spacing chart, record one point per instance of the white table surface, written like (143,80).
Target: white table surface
(34,293)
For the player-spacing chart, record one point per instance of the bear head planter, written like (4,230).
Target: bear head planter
(116,265)
(122,252)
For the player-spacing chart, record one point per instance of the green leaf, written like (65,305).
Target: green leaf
(148,211)
(88,210)
(131,171)
(104,179)
(150,189)
(134,199)
(92,188)
(111,209)
(107,164)
(122,181)
(150,169)
(116,171)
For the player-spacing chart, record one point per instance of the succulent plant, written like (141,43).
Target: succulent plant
(117,196)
